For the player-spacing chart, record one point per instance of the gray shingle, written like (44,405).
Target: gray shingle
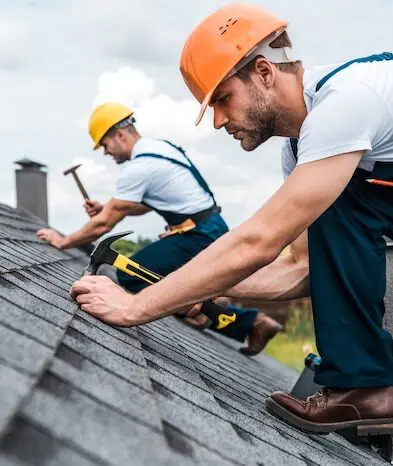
(94,427)
(62,273)
(14,387)
(40,292)
(156,362)
(76,391)
(7,263)
(32,304)
(129,399)
(22,352)
(110,361)
(129,336)
(29,324)
(151,345)
(191,452)
(14,250)
(29,250)
(43,273)
(27,444)
(58,289)
(129,350)
(206,429)
(200,397)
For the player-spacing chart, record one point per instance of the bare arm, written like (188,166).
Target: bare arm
(111,214)
(306,194)
(284,279)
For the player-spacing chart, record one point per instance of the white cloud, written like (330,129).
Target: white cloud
(157,114)
(129,85)
(133,29)
(97,178)
(64,47)
(14,42)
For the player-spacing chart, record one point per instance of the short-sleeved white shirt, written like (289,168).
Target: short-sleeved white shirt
(352,111)
(159,183)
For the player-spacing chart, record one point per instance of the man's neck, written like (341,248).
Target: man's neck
(293,109)
(133,141)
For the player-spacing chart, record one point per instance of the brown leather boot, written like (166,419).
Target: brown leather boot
(370,410)
(263,330)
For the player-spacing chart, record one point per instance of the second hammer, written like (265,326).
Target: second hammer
(72,170)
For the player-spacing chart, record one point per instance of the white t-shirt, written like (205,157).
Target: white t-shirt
(352,111)
(160,183)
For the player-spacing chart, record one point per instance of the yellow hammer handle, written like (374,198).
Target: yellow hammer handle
(134,269)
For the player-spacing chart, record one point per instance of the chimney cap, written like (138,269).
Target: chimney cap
(28,163)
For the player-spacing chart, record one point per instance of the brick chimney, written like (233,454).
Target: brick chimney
(31,192)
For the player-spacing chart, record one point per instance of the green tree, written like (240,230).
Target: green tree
(128,247)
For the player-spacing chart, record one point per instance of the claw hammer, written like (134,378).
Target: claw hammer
(105,254)
(72,170)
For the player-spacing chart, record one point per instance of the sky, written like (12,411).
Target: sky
(59,59)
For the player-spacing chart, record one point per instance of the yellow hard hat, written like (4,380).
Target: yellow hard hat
(104,117)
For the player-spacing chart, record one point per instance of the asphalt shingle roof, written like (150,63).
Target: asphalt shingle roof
(75,391)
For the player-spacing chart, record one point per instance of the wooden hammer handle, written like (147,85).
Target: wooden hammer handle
(80,186)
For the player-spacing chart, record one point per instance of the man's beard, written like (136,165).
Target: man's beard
(119,155)
(120,161)
(260,122)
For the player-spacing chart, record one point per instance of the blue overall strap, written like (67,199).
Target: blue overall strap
(197,175)
(293,142)
(371,58)
(192,168)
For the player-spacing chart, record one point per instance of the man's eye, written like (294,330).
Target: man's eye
(224,99)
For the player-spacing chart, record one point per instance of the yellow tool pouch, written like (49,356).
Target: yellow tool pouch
(170,230)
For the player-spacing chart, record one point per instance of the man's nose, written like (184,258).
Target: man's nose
(220,119)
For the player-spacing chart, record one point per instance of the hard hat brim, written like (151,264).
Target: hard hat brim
(204,105)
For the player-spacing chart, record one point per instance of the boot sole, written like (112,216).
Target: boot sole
(364,427)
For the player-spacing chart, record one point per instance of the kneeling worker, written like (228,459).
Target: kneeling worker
(338,162)
(157,175)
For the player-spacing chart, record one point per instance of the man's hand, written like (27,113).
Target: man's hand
(307,193)
(196,319)
(52,237)
(102,298)
(93,207)
(111,213)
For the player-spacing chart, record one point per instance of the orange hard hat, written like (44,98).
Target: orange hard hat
(214,48)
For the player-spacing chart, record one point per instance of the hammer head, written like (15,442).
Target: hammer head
(72,169)
(103,253)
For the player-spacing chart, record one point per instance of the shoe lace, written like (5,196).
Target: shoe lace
(319,396)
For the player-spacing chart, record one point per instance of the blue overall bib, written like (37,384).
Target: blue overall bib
(347,257)
(168,254)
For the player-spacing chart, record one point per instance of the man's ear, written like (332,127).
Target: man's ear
(121,134)
(265,71)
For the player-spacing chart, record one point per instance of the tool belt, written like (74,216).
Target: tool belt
(190,223)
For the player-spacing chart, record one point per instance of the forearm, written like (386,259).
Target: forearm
(305,195)
(282,280)
(229,260)
(88,233)
(111,214)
